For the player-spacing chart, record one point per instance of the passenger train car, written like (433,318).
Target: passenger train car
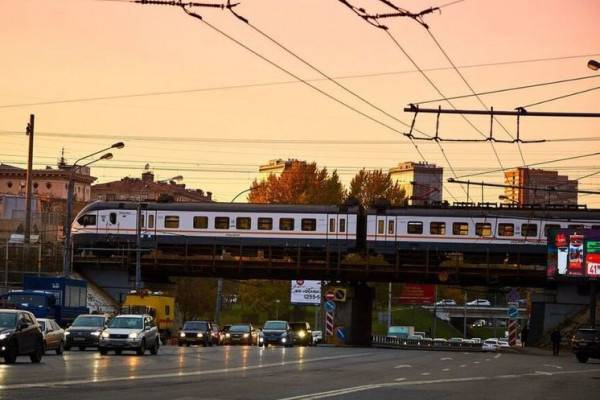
(169,226)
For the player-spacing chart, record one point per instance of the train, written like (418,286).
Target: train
(412,231)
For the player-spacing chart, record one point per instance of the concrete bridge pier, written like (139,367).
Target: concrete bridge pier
(353,315)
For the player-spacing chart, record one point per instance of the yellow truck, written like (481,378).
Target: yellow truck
(158,304)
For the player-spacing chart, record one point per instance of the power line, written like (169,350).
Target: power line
(560,97)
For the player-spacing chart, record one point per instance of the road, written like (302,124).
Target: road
(301,374)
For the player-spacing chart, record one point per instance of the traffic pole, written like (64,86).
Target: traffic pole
(28,188)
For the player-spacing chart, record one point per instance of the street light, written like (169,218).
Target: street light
(593,65)
(70,190)
(177,178)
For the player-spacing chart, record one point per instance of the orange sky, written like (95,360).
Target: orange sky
(64,49)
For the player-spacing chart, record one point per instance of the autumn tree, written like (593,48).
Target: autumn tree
(195,298)
(300,183)
(367,186)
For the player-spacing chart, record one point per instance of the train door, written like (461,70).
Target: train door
(108,222)
(148,226)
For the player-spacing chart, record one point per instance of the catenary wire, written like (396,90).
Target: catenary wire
(564,96)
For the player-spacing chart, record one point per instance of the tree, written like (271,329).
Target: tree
(367,186)
(300,183)
(195,298)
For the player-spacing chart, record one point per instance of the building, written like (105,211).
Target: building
(422,182)
(275,167)
(147,189)
(537,186)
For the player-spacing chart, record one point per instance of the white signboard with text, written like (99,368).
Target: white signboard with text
(305,292)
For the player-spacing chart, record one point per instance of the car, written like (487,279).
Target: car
(196,332)
(317,337)
(479,323)
(423,334)
(85,331)
(20,335)
(476,340)
(586,344)
(398,332)
(242,334)
(130,332)
(302,333)
(445,302)
(479,303)
(54,335)
(218,336)
(490,345)
(456,340)
(276,332)
(440,342)
(503,343)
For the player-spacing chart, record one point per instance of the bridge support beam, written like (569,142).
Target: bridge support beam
(353,316)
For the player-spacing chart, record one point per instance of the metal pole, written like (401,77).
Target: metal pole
(28,189)
(138,248)
(433,325)
(67,227)
(219,301)
(465,319)
(389,310)
(593,301)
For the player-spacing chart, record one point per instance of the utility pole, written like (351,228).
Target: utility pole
(593,302)
(433,325)
(465,319)
(28,194)
(219,300)
(138,249)
(389,310)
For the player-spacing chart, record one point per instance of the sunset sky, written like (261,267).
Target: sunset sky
(234,105)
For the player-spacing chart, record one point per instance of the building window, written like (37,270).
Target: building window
(48,185)
(550,227)
(390,227)
(308,224)
(200,222)
(221,222)
(460,228)
(9,184)
(243,223)
(506,230)
(286,224)
(414,228)
(265,224)
(331,224)
(437,228)
(112,218)
(483,229)
(171,221)
(380,227)
(35,185)
(529,230)
(151,221)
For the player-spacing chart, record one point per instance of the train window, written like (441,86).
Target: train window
(87,220)
(286,224)
(171,221)
(529,230)
(437,228)
(265,224)
(506,230)
(243,223)
(550,227)
(414,228)
(460,228)
(221,222)
(380,227)
(576,227)
(200,222)
(141,220)
(483,229)
(112,218)
(331,224)
(390,227)
(309,224)
(342,225)
(151,221)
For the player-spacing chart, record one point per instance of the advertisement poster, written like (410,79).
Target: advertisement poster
(574,253)
(416,294)
(305,292)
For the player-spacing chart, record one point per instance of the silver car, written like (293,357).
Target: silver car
(130,332)
(54,335)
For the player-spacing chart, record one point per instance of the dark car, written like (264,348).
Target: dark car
(242,334)
(276,332)
(586,344)
(302,333)
(85,331)
(20,335)
(196,332)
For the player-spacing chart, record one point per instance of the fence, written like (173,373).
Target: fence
(423,344)
(18,259)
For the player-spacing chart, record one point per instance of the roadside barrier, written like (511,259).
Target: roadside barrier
(422,344)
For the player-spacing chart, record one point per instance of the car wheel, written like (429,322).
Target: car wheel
(142,349)
(118,352)
(60,348)
(81,348)
(103,351)
(582,357)
(188,344)
(10,355)
(36,356)
(180,344)
(154,350)
(67,348)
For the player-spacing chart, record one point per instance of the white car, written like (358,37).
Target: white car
(445,302)
(317,337)
(130,332)
(479,303)
(490,345)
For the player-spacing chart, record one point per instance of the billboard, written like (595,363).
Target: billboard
(574,253)
(416,294)
(305,292)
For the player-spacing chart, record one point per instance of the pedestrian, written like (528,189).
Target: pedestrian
(524,333)
(555,338)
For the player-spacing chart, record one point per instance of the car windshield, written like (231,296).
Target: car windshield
(240,328)
(276,325)
(28,300)
(8,320)
(42,325)
(88,322)
(127,323)
(195,326)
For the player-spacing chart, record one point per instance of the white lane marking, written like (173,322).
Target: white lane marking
(400,379)
(475,362)
(488,359)
(553,366)
(403,366)
(354,389)
(446,358)
(446,369)
(542,373)
(180,374)
(463,365)
(426,373)
(497,355)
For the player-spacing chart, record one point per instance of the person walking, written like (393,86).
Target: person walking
(555,337)
(524,333)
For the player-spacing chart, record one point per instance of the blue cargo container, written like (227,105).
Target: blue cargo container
(48,297)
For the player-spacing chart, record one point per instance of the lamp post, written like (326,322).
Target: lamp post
(593,65)
(69,210)
(177,178)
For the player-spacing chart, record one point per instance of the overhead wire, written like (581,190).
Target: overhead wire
(560,97)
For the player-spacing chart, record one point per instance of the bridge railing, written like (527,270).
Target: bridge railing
(423,344)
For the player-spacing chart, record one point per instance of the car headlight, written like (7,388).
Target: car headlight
(301,334)
(105,334)
(133,335)
(182,334)
(67,333)
(261,339)
(97,333)
(246,335)
(199,334)
(3,336)
(283,340)
(227,335)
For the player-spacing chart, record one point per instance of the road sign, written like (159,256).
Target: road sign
(305,292)
(513,311)
(329,296)
(329,324)
(340,294)
(340,333)
(329,306)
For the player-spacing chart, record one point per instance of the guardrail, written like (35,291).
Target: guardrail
(422,344)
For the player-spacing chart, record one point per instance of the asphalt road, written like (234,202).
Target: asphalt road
(301,374)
